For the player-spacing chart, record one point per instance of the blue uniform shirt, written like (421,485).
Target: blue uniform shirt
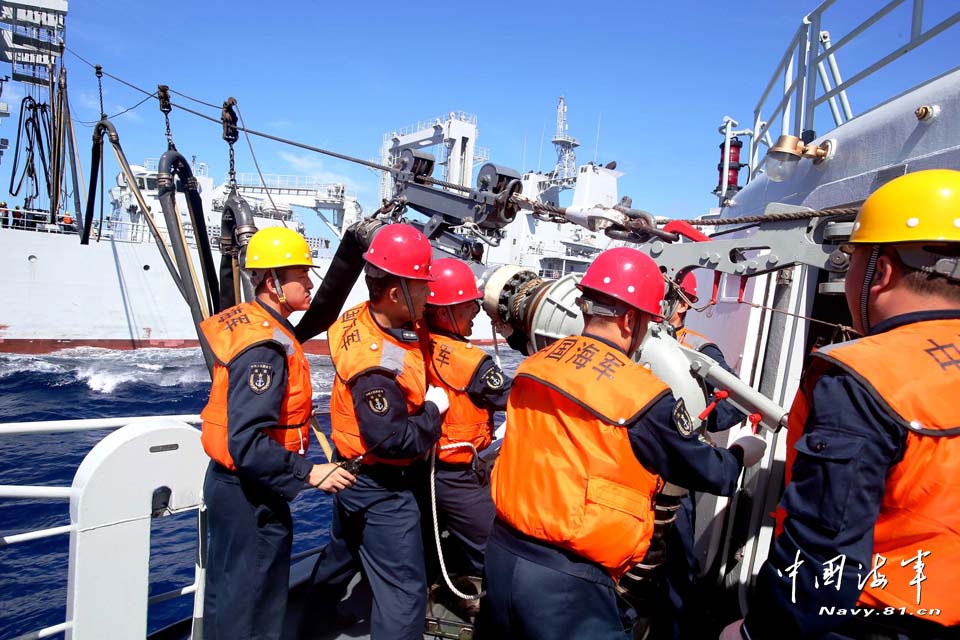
(256,455)
(401,434)
(832,505)
(484,390)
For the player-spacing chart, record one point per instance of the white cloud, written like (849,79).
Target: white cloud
(132,116)
(314,165)
(87,101)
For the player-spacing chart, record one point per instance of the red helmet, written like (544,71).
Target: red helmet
(627,275)
(401,250)
(689,286)
(453,283)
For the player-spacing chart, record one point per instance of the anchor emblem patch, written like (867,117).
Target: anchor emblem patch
(377,401)
(261,377)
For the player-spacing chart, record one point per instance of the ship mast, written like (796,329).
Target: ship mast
(565,173)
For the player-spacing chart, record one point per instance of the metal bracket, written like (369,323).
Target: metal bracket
(789,243)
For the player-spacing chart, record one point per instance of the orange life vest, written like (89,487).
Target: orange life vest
(229,334)
(691,339)
(920,511)
(567,473)
(358,345)
(454,363)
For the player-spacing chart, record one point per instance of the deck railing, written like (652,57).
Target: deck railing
(811,55)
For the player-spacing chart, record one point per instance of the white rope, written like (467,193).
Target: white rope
(436,524)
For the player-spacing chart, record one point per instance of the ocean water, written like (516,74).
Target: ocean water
(93,383)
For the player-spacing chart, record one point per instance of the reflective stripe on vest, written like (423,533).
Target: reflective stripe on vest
(692,339)
(229,334)
(913,373)
(358,345)
(567,473)
(453,366)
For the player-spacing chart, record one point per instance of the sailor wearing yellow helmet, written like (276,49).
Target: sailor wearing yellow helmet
(256,432)
(872,508)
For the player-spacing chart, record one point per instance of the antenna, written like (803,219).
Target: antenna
(543,131)
(523,157)
(596,148)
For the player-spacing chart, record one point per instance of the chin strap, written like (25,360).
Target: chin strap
(868,275)
(453,321)
(637,336)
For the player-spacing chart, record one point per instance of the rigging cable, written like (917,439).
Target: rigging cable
(268,136)
(540,208)
(257,165)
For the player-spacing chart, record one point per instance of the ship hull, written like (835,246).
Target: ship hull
(112,294)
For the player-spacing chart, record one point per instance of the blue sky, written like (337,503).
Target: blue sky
(659,77)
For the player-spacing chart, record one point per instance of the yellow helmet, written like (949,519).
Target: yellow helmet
(275,247)
(917,207)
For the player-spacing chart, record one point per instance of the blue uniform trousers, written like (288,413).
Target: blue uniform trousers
(376,525)
(465,509)
(679,616)
(531,601)
(248,558)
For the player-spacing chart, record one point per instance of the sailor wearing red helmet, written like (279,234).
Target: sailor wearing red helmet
(477,388)
(592,438)
(682,562)
(383,410)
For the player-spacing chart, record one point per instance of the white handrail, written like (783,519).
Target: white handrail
(44,493)
(93,424)
(35,535)
(46,632)
(804,60)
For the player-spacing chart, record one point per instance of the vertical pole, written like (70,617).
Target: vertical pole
(788,107)
(726,161)
(810,81)
(596,147)
(916,23)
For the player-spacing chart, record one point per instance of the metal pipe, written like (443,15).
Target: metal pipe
(807,113)
(726,161)
(916,20)
(35,535)
(787,100)
(46,632)
(71,151)
(105,126)
(42,493)
(172,161)
(170,595)
(835,72)
(834,109)
(93,424)
(237,226)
